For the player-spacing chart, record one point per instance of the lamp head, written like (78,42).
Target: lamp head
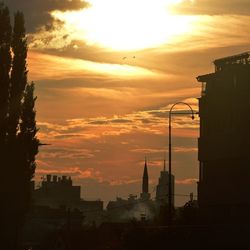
(192,117)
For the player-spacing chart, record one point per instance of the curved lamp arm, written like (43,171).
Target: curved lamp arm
(170,159)
(177,103)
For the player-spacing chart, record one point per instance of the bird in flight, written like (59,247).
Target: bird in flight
(125,57)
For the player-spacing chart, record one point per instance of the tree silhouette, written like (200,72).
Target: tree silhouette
(5,66)
(18,74)
(28,129)
(18,141)
(28,142)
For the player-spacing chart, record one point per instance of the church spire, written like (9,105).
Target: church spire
(145,178)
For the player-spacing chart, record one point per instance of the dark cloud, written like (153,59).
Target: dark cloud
(37,11)
(159,113)
(146,121)
(65,136)
(214,7)
(121,121)
(65,153)
(98,122)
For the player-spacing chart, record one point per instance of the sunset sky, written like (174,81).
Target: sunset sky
(106,73)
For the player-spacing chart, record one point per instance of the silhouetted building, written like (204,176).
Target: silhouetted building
(162,189)
(124,210)
(145,195)
(57,191)
(121,209)
(224,143)
(133,208)
(92,211)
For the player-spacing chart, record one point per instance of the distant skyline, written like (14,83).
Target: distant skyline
(106,73)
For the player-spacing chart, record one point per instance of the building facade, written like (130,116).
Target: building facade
(59,192)
(224,142)
(162,189)
(127,210)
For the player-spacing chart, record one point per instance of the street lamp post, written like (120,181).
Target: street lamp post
(170,156)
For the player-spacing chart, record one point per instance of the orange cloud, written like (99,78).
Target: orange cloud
(45,66)
(189,181)
(185,150)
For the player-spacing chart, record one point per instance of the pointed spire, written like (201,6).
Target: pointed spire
(145,173)
(145,178)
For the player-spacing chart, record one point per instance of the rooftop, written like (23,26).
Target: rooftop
(243,58)
(224,63)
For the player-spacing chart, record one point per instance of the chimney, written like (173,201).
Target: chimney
(48,177)
(54,178)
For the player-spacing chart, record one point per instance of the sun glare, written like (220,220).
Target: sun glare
(125,24)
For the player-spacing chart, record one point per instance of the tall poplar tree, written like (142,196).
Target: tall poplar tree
(28,142)
(5,172)
(18,74)
(18,140)
(5,66)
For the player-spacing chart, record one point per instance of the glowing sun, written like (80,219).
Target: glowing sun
(124,24)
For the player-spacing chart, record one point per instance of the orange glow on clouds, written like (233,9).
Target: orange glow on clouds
(55,67)
(125,24)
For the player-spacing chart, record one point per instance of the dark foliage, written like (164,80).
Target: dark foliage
(18,74)
(28,131)
(18,141)
(5,66)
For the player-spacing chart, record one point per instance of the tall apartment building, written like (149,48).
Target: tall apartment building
(224,143)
